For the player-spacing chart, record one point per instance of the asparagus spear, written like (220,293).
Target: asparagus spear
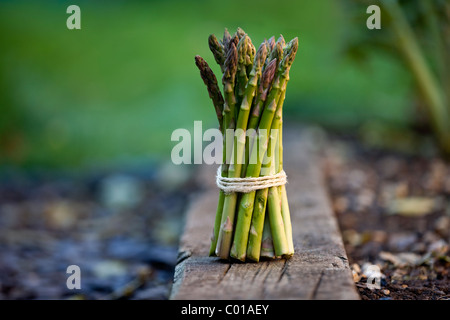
(271,43)
(257,219)
(285,222)
(277,51)
(257,222)
(264,85)
(255,236)
(245,71)
(251,51)
(256,230)
(241,76)
(229,206)
(217,50)
(227,46)
(259,206)
(285,212)
(258,105)
(226,39)
(258,216)
(228,81)
(280,242)
(210,81)
(240,33)
(267,240)
(254,167)
(241,126)
(260,243)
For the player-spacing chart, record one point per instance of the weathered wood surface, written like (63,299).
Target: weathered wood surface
(319,268)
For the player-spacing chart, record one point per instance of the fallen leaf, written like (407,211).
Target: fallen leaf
(412,206)
(352,237)
(356,272)
(438,248)
(356,276)
(402,259)
(442,226)
(109,268)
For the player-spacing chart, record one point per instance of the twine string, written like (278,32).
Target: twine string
(246,185)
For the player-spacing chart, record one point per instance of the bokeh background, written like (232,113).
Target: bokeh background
(114,91)
(86,118)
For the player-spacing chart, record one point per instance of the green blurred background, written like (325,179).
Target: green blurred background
(113,92)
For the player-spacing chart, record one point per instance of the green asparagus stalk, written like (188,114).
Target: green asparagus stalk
(258,105)
(210,81)
(228,121)
(226,39)
(245,208)
(240,33)
(251,51)
(256,230)
(247,65)
(228,81)
(271,43)
(259,206)
(277,228)
(258,216)
(216,96)
(257,223)
(264,85)
(241,76)
(286,215)
(285,212)
(217,50)
(280,242)
(244,113)
(234,39)
(277,51)
(217,221)
(267,250)
(256,234)
(234,171)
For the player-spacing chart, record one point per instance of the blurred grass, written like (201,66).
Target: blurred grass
(116,89)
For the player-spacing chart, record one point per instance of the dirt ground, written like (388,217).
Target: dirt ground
(120,227)
(394,213)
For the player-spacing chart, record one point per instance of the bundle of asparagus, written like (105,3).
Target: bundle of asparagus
(255,224)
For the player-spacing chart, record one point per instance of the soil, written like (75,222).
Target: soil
(120,227)
(394,213)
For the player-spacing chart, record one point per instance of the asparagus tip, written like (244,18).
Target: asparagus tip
(261,55)
(268,74)
(271,42)
(240,32)
(230,63)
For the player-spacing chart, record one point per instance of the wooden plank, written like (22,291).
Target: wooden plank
(319,268)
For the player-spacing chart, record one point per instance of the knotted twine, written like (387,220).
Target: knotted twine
(246,185)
